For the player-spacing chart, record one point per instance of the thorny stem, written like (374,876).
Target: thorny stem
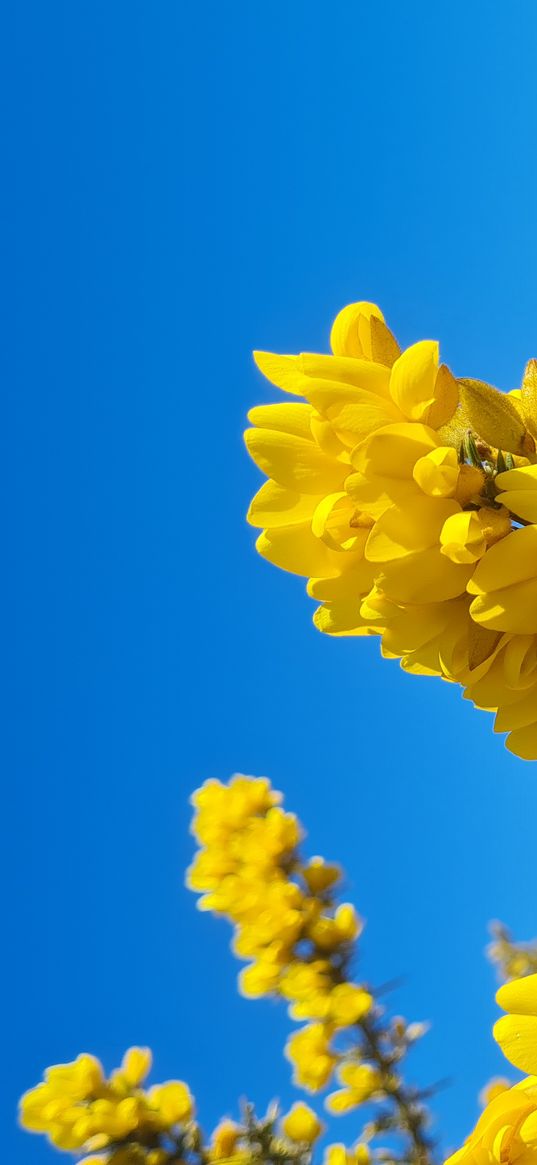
(411,1115)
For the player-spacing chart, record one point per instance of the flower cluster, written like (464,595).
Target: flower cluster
(409,500)
(507,1130)
(300,942)
(114,1120)
(512,959)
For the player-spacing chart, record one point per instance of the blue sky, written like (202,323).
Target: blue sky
(184,183)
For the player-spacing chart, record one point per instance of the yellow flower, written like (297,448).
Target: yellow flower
(173,1102)
(339,1155)
(311,1055)
(224,1140)
(348,1004)
(79,1109)
(506,1132)
(400,492)
(319,875)
(362,1082)
(494,1088)
(301,1124)
(135,1066)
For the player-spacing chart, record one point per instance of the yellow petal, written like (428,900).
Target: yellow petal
(353,422)
(284,418)
(520,996)
(331,372)
(423,577)
(342,618)
(342,1101)
(462,539)
(403,530)
(393,452)
(274,505)
(296,549)
(384,346)
(173,1101)
(522,478)
(136,1065)
(355,579)
(521,502)
(510,561)
(517,1037)
(446,399)
(293,462)
(437,473)
(283,371)
(523,742)
(519,715)
(512,609)
(332,521)
(351,334)
(413,379)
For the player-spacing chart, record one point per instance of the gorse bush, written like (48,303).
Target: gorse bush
(408,498)
(299,942)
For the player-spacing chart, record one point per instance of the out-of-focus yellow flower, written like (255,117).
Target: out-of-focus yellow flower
(311,1055)
(80,1110)
(301,1124)
(135,1066)
(320,875)
(224,1140)
(494,1088)
(173,1102)
(402,494)
(297,938)
(340,1155)
(362,1082)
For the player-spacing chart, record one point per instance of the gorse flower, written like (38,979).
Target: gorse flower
(409,500)
(116,1122)
(300,942)
(507,1131)
(80,1110)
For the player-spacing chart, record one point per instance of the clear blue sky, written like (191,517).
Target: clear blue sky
(182,183)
